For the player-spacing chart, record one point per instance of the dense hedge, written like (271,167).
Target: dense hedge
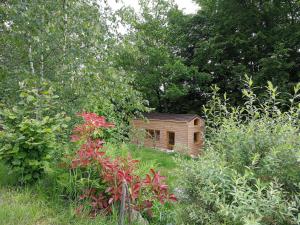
(250,171)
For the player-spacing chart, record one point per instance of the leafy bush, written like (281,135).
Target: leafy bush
(104,180)
(249,173)
(115,98)
(30,132)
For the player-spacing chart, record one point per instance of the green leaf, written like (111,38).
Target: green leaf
(16,162)
(30,98)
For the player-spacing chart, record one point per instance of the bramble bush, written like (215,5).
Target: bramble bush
(100,178)
(250,171)
(30,132)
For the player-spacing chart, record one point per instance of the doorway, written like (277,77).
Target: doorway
(171,139)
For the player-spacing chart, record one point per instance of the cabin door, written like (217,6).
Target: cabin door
(171,140)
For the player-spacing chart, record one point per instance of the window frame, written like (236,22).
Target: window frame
(197,138)
(153,134)
(196,122)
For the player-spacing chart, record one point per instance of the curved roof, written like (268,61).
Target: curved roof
(168,116)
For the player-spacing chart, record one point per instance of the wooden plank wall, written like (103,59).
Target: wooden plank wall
(184,134)
(180,129)
(195,148)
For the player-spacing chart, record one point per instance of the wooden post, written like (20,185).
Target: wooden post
(128,203)
(125,198)
(123,204)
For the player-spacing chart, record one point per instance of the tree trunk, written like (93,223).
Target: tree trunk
(65,30)
(31,60)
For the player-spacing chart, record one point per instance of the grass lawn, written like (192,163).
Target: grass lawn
(30,205)
(165,162)
(26,206)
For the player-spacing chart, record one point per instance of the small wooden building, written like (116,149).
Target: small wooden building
(179,132)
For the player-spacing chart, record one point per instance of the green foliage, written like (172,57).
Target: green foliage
(170,57)
(265,146)
(149,54)
(46,202)
(175,58)
(249,173)
(69,184)
(76,59)
(30,132)
(34,205)
(228,38)
(7,177)
(114,97)
(218,194)
(137,136)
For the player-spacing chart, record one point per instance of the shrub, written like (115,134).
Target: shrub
(105,180)
(137,136)
(249,173)
(115,98)
(28,139)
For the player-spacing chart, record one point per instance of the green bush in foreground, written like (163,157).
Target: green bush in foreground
(250,172)
(29,135)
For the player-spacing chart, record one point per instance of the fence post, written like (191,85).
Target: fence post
(123,204)
(125,194)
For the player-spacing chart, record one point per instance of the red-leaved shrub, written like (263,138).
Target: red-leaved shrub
(113,173)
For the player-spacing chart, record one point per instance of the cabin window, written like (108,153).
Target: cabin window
(153,134)
(171,139)
(150,133)
(196,122)
(197,137)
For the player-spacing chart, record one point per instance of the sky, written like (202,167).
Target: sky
(188,6)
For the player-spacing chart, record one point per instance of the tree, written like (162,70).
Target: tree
(55,40)
(68,43)
(148,52)
(227,39)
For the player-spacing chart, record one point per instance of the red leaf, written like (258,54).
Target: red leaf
(172,197)
(148,179)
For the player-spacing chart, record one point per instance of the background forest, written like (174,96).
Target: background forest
(236,63)
(166,57)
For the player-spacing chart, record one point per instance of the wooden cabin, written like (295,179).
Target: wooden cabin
(179,132)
